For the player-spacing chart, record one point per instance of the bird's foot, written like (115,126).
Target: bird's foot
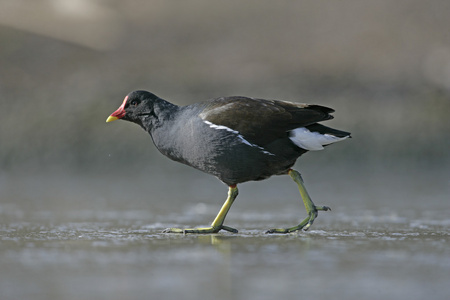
(305,224)
(205,230)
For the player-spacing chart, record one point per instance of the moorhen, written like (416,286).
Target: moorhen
(236,139)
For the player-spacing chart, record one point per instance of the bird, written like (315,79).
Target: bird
(236,139)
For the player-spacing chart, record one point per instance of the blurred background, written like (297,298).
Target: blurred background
(384,67)
(67,176)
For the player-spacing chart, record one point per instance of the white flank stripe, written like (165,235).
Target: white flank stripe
(239,136)
(312,141)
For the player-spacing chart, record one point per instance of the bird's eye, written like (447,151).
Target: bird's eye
(134,103)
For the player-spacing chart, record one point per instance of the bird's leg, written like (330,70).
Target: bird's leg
(217,224)
(311,209)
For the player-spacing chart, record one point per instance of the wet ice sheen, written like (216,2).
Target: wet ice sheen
(116,257)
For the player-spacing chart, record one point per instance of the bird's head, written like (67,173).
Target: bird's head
(137,107)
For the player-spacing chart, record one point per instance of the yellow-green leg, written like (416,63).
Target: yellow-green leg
(311,209)
(217,224)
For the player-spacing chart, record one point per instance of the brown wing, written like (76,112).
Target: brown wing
(262,121)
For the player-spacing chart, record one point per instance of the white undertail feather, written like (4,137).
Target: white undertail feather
(312,141)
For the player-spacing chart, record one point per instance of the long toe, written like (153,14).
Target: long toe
(323,208)
(205,230)
(310,222)
(305,224)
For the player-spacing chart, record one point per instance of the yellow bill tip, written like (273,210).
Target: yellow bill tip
(111,118)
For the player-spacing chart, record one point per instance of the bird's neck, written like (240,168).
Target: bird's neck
(172,134)
(162,115)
